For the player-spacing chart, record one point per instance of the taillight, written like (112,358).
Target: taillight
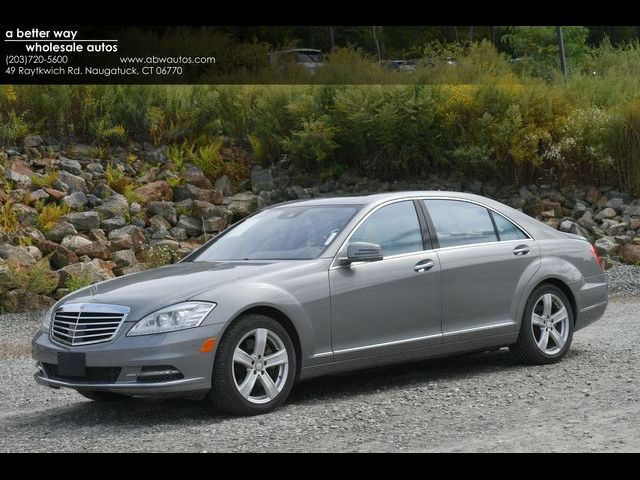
(596,257)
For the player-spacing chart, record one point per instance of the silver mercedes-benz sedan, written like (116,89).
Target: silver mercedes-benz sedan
(321,286)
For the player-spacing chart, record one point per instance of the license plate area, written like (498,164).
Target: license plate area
(72,364)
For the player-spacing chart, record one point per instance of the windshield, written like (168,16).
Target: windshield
(281,233)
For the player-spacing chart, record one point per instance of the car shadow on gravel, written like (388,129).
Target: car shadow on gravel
(142,413)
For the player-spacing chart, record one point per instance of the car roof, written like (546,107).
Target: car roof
(375,198)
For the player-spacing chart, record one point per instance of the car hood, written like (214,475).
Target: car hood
(150,290)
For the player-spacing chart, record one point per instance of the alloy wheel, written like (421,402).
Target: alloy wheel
(550,324)
(260,365)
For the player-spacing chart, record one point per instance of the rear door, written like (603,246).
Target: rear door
(486,261)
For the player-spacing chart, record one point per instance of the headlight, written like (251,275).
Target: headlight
(45,323)
(175,317)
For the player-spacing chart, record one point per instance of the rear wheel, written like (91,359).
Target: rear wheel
(100,396)
(547,326)
(254,368)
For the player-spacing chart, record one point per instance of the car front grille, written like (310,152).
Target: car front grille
(87,323)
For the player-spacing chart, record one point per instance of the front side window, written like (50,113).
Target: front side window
(506,229)
(460,223)
(282,233)
(394,227)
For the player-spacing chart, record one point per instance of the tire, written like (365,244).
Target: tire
(531,347)
(240,387)
(100,396)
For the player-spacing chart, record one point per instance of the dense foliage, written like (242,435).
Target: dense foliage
(483,118)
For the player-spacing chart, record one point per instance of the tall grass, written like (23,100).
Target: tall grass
(480,119)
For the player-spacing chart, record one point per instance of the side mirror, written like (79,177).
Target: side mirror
(362,252)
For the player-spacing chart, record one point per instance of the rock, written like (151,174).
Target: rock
(214,224)
(113,223)
(61,293)
(617,229)
(60,230)
(115,205)
(27,216)
(97,234)
(634,223)
(124,258)
(243,204)
(127,237)
(83,221)
(19,171)
(196,177)
(35,252)
(59,256)
(23,300)
(75,242)
(607,212)
(186,192)
(38,195)
(593,195)
(72,182)
(632,210)
(71,166)
(223,185)
(33,233)
(55,194)
(95,168)
(630,254)
(553,222)
(579,209)
(165,210)
(566,225)
(97,249)
(178,233)
(32,141)
(204,210)
(45,162)
(606,246)
(135,208)
(617,204)
(7,279)
(157,222)
(75,201)
(192,226)
(155,191)
(95,271)
(587,220)
(15,253)
(526,195)
(261,179)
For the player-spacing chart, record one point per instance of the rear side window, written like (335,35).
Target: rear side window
(460,223)
(394,227)
(506,229)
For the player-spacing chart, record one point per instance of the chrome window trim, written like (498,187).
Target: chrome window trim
(93,307)
(420,198)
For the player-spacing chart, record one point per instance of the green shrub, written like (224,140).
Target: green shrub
(76,281)
(48,215)
(37,278)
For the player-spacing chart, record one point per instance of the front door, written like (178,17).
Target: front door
(391,304)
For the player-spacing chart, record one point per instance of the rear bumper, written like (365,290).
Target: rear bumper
(132,358)
(592,300)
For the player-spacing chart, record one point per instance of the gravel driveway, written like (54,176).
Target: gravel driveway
(479,402)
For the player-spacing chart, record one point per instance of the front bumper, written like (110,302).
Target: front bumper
(127,359)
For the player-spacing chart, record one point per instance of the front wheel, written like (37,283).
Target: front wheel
(547,327)
(254,368)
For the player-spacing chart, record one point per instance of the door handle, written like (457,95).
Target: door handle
(423,265)
(521,250)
